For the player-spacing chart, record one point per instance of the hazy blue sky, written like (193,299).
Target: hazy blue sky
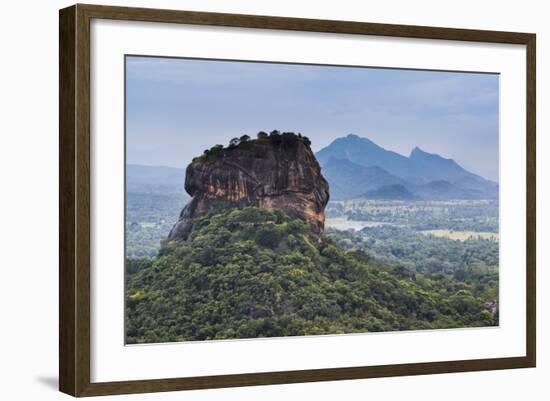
(176,108)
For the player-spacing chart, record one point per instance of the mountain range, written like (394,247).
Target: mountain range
(357,167)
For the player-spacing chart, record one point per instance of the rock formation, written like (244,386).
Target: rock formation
(278,171)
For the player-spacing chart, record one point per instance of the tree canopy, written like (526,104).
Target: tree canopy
(251,272)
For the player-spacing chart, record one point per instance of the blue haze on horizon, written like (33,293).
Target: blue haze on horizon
(176,108)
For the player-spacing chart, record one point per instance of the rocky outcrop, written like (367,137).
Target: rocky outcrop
(278,171)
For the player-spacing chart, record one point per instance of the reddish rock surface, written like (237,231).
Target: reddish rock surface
(275,172)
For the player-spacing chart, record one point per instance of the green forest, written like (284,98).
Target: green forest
(459,215)
(149,218)
(423,253)
(248,273)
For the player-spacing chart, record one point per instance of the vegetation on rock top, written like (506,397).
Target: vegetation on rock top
(246,142)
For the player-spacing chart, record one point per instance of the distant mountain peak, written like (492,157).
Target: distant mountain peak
(343,158)
(353,139)
(417,152)
(360,139)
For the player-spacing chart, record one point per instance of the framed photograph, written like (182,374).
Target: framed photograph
(250,200)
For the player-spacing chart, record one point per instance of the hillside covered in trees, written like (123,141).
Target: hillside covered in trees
(251,272)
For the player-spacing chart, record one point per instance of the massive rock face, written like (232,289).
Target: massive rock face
(272,172)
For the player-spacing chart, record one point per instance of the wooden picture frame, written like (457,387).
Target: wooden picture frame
(74,199)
